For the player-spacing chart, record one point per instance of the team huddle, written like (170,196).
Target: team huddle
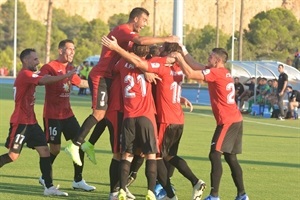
(136,93)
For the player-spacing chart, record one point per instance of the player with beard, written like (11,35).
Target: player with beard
(168,99)
(24,127)
(101,75)
(58,115)
(227,138)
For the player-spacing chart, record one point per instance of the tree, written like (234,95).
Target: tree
(117,19)
(88,41)
(274,33)
(200,42)
(30,32)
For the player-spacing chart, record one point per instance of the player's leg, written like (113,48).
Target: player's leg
(37,140)
(147,138)
(14,142)
(127,148)
(88,146)
(114,121)
(136,164)
(70,128)
(216,163)
(234,140)
(99,91)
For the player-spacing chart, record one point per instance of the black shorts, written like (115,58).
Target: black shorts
(19,134)
(169,137)
(99,87)
(54,127)
(139,133)
(114,122)
(228,138)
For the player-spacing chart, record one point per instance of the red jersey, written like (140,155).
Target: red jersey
(57,98)
(168,91)
(136,91)
(109,58)
(222,93)
(24,96)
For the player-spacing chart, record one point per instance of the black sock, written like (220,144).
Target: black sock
(136,164)
(78,169)
(46,169)
(170,168)
(89,122)
(151,173)
(114,175)
(124,169)
(97,132)
(5,159)
(216,172)
(236,172)
(184,169)
(52,158)
(162,176)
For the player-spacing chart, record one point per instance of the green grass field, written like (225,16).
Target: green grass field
(270,159)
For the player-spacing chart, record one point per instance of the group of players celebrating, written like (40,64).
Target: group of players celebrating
(137,95)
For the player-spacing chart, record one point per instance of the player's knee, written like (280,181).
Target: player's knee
(14,156)
(99,114)
(55,149)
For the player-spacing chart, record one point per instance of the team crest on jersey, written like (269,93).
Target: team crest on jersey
(155,65)
(66,87)
(206,71)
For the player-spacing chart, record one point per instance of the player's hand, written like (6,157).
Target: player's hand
(186,103)
(71,72)
(111,44)
(151,77)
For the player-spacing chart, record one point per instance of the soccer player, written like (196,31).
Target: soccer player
(227,138)
(168,99)
(24,127)
(58,115)
(139,131)
(101,75)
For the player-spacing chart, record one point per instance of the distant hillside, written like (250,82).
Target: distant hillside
(197,13)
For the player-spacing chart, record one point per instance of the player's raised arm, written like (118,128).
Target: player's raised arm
(187,70)
(130,57)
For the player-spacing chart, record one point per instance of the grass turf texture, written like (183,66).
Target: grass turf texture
(270,159)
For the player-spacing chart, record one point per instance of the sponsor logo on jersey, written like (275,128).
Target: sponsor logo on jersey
(155,65)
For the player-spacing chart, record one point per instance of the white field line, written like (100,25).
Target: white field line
(255,122)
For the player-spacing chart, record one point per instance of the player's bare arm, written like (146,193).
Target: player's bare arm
(145,40)
(187,70)
(130,57)
(47,79)
(83,84)
(190,60)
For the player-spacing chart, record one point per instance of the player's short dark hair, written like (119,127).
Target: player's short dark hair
(138,11)
(26,52)
(140,50)
(63,43)
(222,53)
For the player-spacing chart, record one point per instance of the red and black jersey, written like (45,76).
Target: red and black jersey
(57,98)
